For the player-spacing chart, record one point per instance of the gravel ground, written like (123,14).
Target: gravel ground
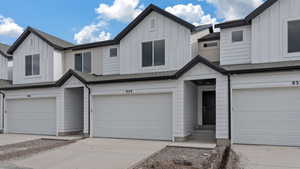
(177,158)
(24,149)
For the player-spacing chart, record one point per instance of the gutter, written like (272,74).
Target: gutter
(3,109)
(89,109)
(229,106)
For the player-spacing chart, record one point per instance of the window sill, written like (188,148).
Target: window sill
(32,77)
(296,54)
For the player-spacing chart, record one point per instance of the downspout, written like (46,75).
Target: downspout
(89,110)
(229,106)
(3,109)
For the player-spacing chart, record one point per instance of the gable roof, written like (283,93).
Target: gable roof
(51,40)
(3,51)
(135,22)
(260,10)
(60,44)
(145,13)
(248,19)
(203,27)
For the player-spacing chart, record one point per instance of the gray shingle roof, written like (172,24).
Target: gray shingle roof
(51,40)
(209,37)
(3,50)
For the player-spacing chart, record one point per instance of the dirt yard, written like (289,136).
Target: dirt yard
(23,149)
(191,158)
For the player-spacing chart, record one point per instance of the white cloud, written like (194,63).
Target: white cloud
(9,28)
(121,10)
(191,13)
(234,9)
(92,33)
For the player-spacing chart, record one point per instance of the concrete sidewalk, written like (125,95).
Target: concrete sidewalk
(6,139)
(93,154)
(268,157)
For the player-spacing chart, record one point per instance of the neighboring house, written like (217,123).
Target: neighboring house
(4,59)
(4,74)
(162,78)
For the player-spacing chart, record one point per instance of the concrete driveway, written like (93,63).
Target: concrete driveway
(268,157)
(93,153)
(16,138)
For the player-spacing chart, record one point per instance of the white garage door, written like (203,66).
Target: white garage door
(31,116)
(267,116)
(133,116)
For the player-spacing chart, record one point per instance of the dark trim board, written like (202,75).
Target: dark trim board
(232,24)
(248,19)
(260,10)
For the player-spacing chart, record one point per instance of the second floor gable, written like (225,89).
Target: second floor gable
(155,41)
(271,33)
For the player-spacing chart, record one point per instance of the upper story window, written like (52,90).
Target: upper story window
(113,52)
(294,36)
(210,44)
(153,53)
(83,62)
(237,36)
(32,65)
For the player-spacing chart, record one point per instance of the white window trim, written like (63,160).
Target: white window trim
(32,76)
(82,60)
(153,66)
(285,37)
(238,42)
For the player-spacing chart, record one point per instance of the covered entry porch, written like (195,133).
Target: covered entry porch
(205,104)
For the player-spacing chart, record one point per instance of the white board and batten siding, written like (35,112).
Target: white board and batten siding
(271,102)
(269,32)
(177,44)
(102,63)
(3,68)
(111,65)
(202,72)
(58,64)
(30,46)
(235,52)
(96,59)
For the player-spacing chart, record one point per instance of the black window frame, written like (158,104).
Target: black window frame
(82,57)
(154,56)
(292,49)
(239,39)
(113,52)
(32,65)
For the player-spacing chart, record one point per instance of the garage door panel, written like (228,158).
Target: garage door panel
(32,116)
(134,116)
(266,116)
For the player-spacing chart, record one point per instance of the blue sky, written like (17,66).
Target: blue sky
(80,21)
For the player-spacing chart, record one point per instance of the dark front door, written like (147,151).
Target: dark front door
(209,108)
